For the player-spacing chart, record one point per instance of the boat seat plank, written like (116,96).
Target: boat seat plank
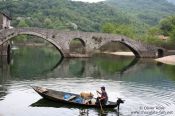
(71,98)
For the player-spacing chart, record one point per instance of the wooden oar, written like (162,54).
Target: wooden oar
(100,105)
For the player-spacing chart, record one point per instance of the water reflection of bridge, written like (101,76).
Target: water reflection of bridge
(4,75)
(69,68)
(89,68)
(85,67)
(82,68)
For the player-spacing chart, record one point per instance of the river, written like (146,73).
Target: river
(147,87)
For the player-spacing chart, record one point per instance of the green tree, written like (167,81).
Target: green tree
(121,29)
(22,23)
(48,22)
(154,31)
(167,25)
(108,28)
(172,34)
(22,38)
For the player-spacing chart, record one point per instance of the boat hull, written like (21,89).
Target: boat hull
(52,95)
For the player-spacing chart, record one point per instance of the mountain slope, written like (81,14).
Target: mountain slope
(148,11)
(61,14)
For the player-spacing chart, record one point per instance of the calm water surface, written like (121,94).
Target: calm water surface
(148,87)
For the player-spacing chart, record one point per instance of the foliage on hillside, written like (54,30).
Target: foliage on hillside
(156,15)
(162,34)
(164,30)
(148,11)
(62,14)
(167,27)
(119,29)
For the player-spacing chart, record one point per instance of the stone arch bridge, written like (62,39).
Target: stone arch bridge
(92,41)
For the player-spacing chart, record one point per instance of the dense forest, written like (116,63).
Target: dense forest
(143,19)
(148,11)
(61,14)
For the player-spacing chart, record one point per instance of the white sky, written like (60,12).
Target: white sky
(89,0)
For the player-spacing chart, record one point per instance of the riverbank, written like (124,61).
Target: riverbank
(167,60)
(120,53)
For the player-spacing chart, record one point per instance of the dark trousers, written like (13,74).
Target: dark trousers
(103,102)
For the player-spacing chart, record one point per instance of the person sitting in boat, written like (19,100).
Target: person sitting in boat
(103,98)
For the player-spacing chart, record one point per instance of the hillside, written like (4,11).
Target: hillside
(67,14)
(62,14)
(147,11)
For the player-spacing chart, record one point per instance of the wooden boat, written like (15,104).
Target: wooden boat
(59,97)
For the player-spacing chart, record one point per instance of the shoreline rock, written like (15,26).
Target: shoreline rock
(167,60)
(120,53)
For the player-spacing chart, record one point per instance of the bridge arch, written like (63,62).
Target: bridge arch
(82,46)
(124,42)
(79,39)
(38,35)
(160,53)
(136,53)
